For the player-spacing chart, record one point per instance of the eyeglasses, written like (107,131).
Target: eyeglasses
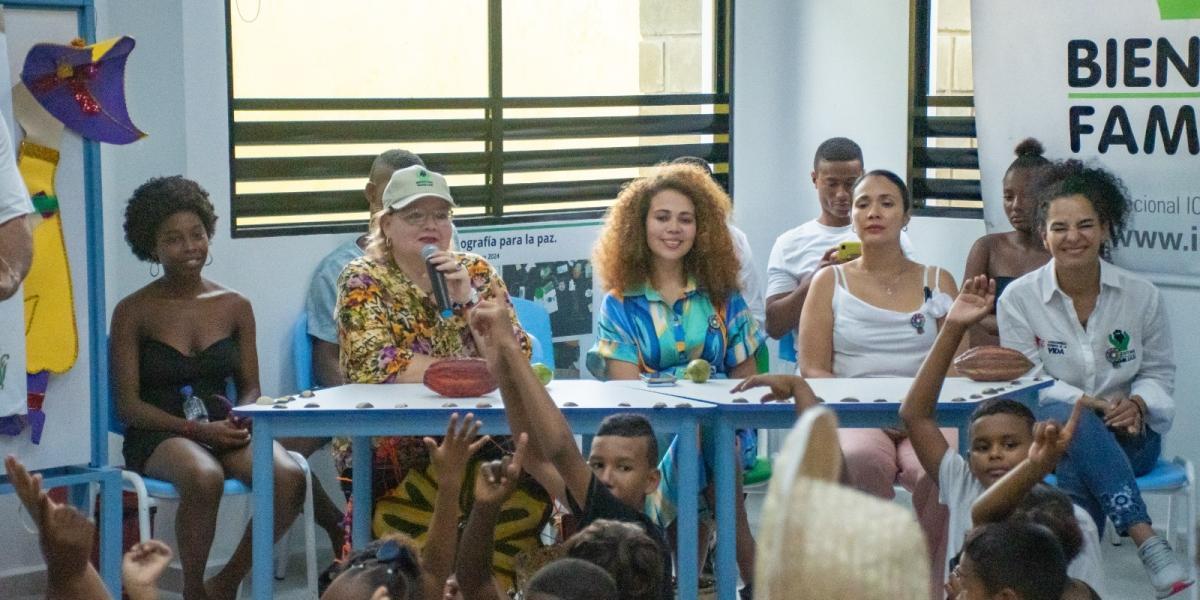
(417,217)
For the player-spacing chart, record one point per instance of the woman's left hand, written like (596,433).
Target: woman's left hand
(458,281)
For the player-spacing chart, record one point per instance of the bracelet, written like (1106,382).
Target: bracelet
(472,300)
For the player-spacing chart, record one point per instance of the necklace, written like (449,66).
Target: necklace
(890,286)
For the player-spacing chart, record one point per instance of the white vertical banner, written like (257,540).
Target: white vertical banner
(1111,82)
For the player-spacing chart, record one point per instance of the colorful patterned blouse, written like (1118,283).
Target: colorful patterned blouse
(639,327)
(383,319)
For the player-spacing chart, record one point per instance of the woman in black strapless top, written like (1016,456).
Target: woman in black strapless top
(1011,254)
(182,330)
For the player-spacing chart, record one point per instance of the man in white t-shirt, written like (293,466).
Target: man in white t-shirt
(800,252)
(16,255)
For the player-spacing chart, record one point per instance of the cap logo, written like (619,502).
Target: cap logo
(423,179)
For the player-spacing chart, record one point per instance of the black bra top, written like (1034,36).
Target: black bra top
(164,370)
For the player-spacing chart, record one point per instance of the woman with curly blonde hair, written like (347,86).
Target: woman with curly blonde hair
(668,261)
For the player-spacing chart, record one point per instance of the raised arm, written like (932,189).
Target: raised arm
(1050,442)
(449,462)
(918,409)
(528,406)
(816,328)
(494,484)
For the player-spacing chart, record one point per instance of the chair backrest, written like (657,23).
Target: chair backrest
(536,322)
(302,353)
(787,347)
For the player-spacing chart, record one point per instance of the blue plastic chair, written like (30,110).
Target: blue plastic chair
(302,353)
(536,322)
(787,347)
(150,491)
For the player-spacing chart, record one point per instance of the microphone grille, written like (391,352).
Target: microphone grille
(428,250)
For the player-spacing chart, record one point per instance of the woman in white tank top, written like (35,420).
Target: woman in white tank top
(877,316)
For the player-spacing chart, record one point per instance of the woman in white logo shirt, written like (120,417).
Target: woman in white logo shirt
(1103,333)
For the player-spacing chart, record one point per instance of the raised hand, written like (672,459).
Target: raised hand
(66,538)
(1050,441)
(142,566)
(492,328)
(460,444)
(497,479)
(782,388)
(974,301)
(28,487)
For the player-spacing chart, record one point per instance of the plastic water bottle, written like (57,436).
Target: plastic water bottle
(193,407)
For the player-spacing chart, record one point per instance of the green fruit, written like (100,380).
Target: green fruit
(544,373)
(698,370)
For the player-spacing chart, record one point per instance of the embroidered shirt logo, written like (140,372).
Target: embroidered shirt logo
(1119,351)
(1053,347)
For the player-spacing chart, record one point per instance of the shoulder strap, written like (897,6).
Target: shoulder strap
(839,276)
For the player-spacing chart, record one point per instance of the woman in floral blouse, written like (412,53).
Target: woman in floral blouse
(391,330)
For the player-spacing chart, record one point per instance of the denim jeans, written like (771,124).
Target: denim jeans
(1099,468)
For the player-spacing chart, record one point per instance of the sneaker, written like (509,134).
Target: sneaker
(1166,574)
(746,593)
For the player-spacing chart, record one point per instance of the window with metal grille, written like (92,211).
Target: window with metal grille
(534,110)
(943,160)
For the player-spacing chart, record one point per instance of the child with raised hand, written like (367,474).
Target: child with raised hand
(395,559)
(1001,430)
(495,481)
(65,536)
(141,567)
(1020,495)
(1010,561)
(621,469)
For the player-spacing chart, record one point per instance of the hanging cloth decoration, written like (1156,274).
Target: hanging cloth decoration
(84,87)
(51,342)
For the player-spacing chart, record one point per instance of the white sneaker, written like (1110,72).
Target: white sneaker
(1166,574)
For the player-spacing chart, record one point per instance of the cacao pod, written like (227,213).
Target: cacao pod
(992,363)
(460,378)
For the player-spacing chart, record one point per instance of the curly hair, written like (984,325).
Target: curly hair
(154,202)
(1102,188)
(622,255)
(627,552)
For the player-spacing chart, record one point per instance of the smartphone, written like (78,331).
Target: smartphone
(848,251)
(658,379)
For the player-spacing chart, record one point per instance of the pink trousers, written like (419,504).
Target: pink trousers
(875,464)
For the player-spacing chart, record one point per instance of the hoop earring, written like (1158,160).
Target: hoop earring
(154,270)
(905,228)
(208,263)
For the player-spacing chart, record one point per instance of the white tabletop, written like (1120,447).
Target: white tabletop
(881,390)
(567,394)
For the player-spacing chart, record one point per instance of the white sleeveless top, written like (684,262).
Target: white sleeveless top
(869,341)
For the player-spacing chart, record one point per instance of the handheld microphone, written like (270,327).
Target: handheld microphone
(438,280)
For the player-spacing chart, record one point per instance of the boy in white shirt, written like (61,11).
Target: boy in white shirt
(802,251)
(1001,433)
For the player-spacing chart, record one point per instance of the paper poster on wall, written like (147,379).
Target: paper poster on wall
(548,263)
(1115,82)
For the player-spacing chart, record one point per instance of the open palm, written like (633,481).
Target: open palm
(974,302)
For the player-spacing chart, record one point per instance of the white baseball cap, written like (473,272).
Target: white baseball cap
(410,184)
